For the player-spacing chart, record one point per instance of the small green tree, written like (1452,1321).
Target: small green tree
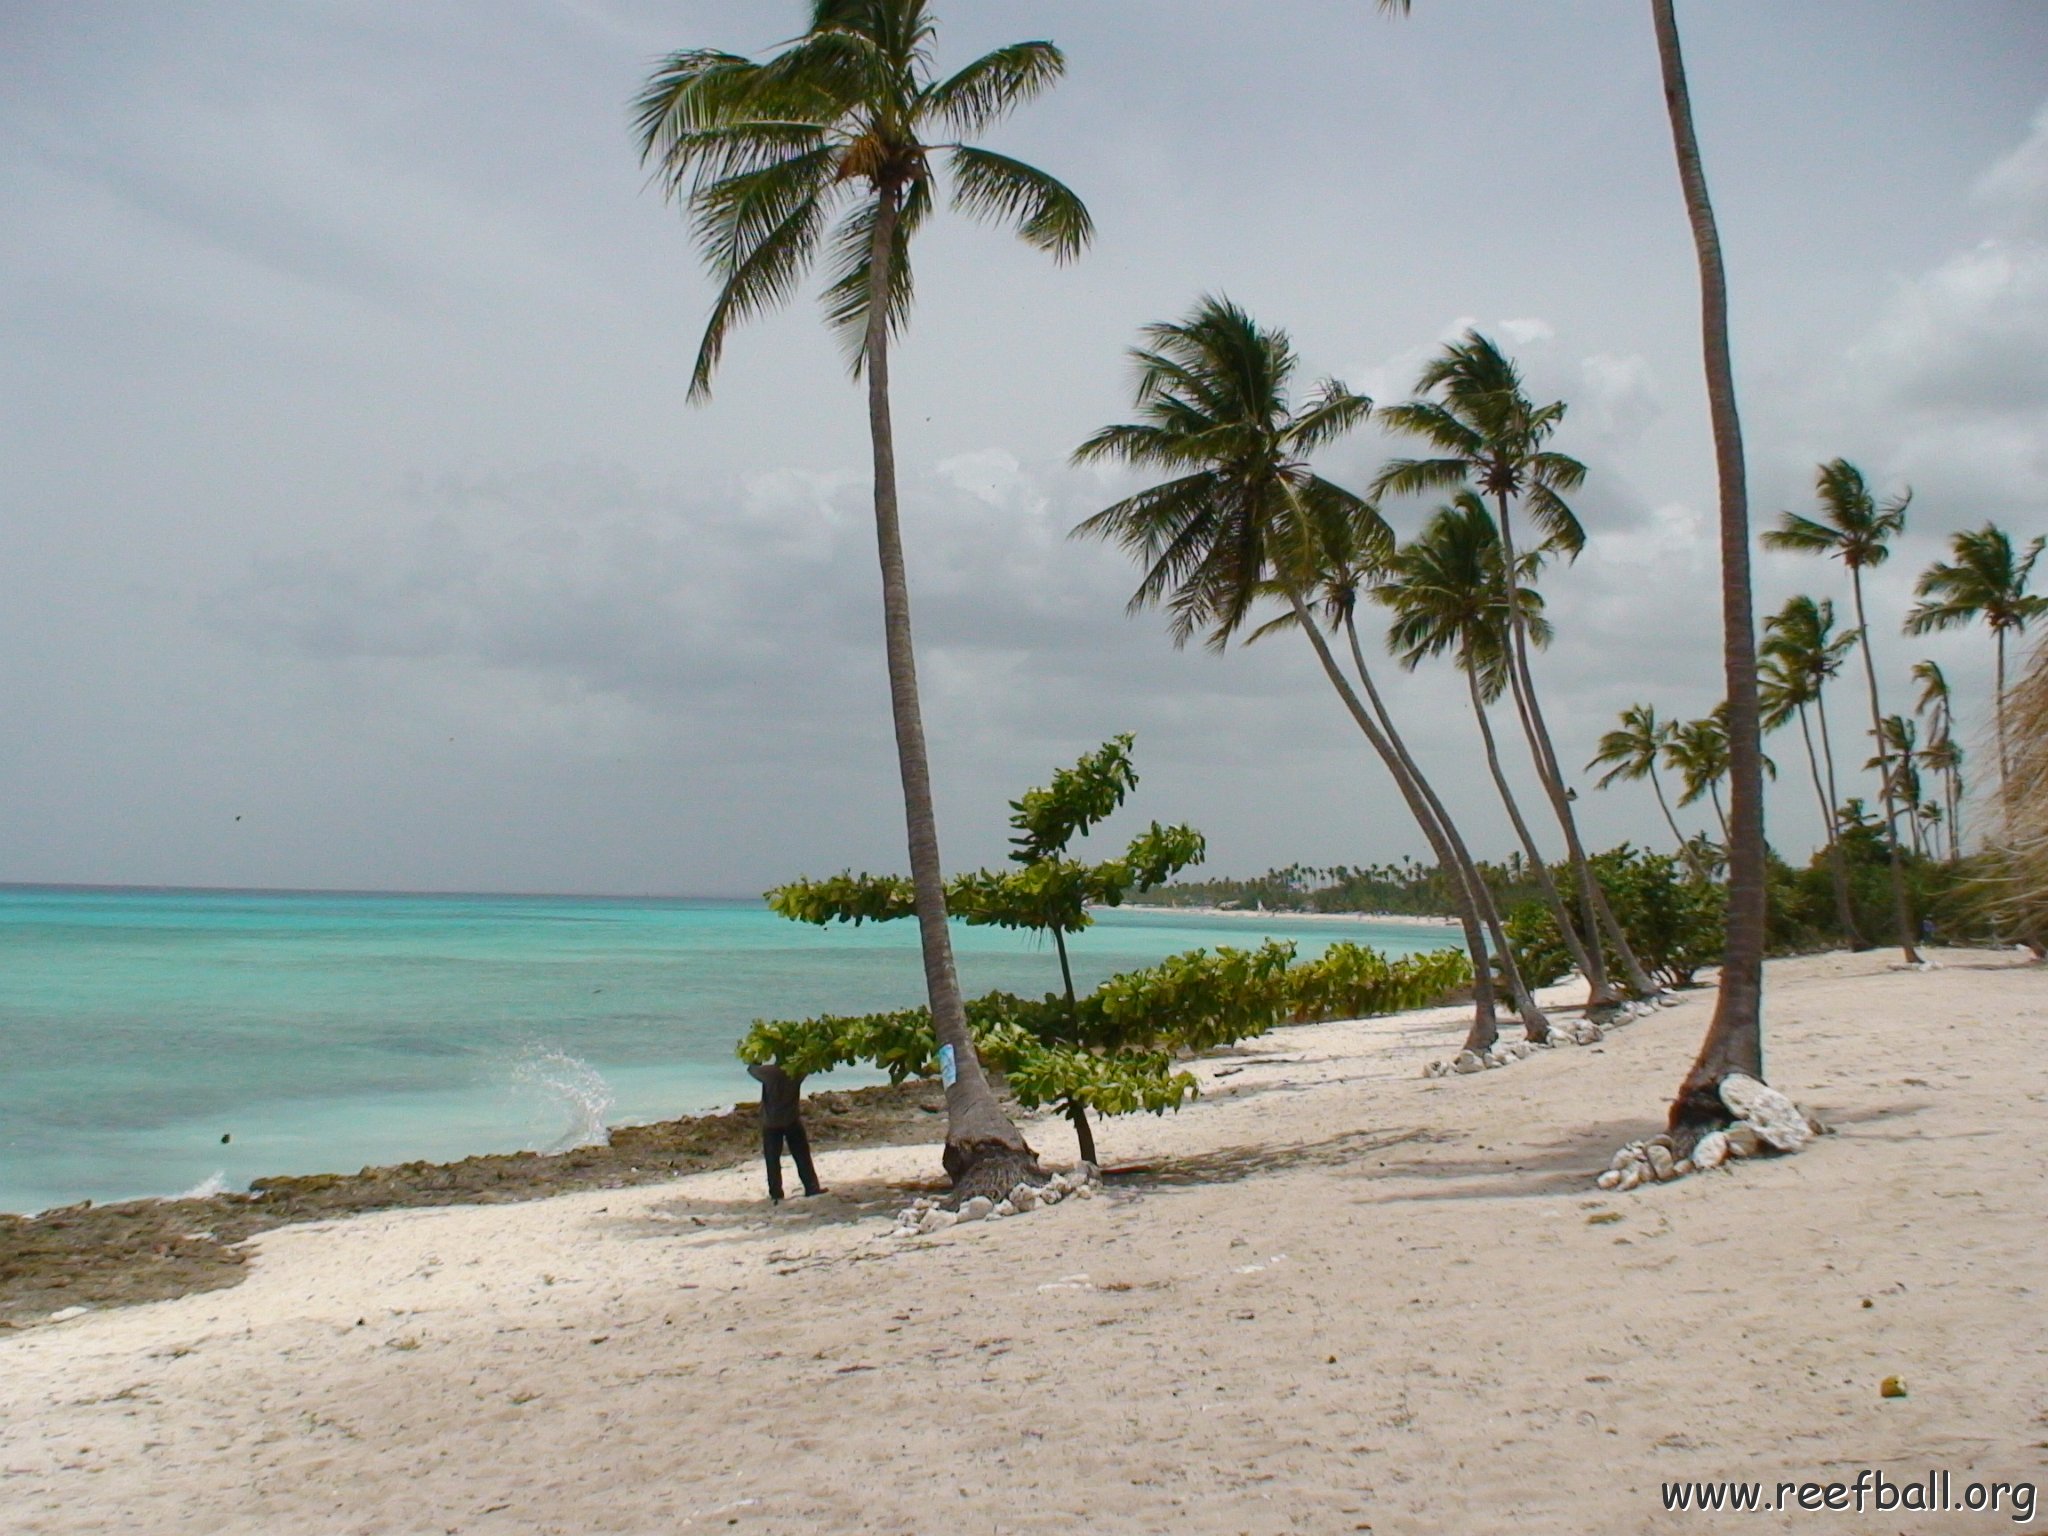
(1046,892)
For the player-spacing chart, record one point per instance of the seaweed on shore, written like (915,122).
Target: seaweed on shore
(135,1251)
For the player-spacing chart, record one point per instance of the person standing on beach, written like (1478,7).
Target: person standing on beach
(783,1125)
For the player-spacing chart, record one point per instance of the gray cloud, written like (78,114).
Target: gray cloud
(351,490)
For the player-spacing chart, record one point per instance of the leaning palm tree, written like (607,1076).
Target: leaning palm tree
(835,143)
(1857,529)
(1801,645)
(1630,753)
(1698,752)
(1244,516)
(1449,597)
(1942,755)
(1489,437)
(1899,760)
(1987,580)
(1352,554)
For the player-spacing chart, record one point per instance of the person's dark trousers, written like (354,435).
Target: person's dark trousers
(799,1144)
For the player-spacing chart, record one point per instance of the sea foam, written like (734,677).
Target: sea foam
(570,1083)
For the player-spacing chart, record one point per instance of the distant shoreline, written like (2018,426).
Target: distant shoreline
(1404,919)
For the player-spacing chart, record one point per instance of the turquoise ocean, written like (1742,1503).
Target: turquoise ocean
(324,1032)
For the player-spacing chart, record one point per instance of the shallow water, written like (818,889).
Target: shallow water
(326,1031)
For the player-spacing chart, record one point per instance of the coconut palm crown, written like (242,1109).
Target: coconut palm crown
(1213,401)
(809,150)
(1488,433)
(1854,526)
(1447,595)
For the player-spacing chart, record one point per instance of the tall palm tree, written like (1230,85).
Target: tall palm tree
(836,142)
(1857,529)
(1631,753)
(1986,580)
(1801,643)
(1449,596)
(1243,516)
(1489,436)
(1735,1039)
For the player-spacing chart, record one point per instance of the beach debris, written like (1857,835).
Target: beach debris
(1892,1386)
(928,1213)
(1562,1032)
(1766,1122)
(1780,1123)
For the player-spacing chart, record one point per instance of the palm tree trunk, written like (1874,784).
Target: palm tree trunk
(1735,1039)
(1685,850)
(1534,1023)
(2004,745)
(1902,910)
(1844,908)
(1955,805)
(1537,866)
(1485,1028)
(1075,1111)
(1720,815)
(985,1154)
(1598,916)
(1838,871)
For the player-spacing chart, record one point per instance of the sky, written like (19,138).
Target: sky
(356,531)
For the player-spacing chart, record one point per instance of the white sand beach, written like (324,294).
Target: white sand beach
(1341,1297)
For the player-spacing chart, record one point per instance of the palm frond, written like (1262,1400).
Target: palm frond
(1802,535)
(763,276)
(846,299)
(1409,477)
(1330,412)
(1044,211)
(1560,525)
(994,85)
(1435,425)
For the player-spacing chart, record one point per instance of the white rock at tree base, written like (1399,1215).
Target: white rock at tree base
(1024,1198)
(1711,1151)
(975,1209)
(1466,1063)
(936,1221)
(1609,1179)
(1743,1140)
(1662,1164)
(1778,1121)
(1004,1208)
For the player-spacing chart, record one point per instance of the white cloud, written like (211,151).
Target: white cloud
(1618,397)
(2018,182)
(1522,333)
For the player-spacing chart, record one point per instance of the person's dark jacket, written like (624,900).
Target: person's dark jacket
(779,1095)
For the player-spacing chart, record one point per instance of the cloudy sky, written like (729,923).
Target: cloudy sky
(356,532)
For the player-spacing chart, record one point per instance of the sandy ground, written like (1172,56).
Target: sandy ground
(1341,1298)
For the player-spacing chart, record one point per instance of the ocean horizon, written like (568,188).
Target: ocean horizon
(169,1039)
